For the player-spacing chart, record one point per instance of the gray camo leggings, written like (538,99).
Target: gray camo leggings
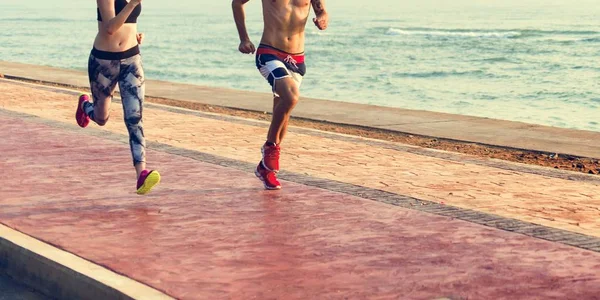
(128,73)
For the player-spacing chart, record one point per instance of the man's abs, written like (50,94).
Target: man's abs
(284,23)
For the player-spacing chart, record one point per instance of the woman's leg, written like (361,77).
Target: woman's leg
(103,75)
(131,86)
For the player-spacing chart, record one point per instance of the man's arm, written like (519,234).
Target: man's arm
(322,19)
(239,16)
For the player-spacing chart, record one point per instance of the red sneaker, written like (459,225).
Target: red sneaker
(270,158)
(146,181)
(82,118)
(268,178)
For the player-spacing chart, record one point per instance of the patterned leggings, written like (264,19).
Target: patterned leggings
(104,74)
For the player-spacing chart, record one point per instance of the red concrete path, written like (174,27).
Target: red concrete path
(210,232)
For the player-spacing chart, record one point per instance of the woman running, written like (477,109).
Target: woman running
(116,58)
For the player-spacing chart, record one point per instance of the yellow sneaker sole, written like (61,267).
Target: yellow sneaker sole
(151,181)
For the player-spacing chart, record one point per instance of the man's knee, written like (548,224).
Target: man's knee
(290,94)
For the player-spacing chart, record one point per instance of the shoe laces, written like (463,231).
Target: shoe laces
(272,151)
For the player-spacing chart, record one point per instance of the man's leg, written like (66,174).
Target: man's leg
(286,89)
(289,95)
(283,104)
(283,131)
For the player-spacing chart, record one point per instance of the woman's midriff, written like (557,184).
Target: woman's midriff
(125,38)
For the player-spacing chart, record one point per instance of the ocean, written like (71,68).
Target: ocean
(527,60)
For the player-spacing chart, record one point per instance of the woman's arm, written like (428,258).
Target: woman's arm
(111,22)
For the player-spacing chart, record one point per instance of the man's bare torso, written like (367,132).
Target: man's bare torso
(284,22)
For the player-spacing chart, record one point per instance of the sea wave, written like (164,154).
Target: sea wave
(40,20)
(454,33)
(558,32)
(500,59)
(437,74)
(591,40)
(487,33)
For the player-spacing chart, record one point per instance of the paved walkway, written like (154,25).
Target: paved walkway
(365,221)
(451,126)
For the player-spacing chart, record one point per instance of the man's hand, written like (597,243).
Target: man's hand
(321,21)
(247,47)
(140,37)
(136,2)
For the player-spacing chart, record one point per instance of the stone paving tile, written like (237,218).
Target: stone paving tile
(200,238)
(566,204)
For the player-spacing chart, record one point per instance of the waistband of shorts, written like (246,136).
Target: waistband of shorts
(116,55)
(266,49)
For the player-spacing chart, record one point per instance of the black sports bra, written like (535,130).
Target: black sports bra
(119,5)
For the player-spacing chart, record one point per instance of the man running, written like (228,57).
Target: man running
(280,59)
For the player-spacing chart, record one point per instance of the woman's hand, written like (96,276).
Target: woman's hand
(140,37)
